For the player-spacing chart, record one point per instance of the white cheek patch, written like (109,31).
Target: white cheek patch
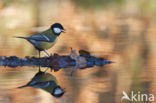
(57,30)
(58,91)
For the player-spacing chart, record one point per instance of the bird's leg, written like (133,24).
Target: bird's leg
(39,69)
(46,52)
(46,70)
(39,53)
(39,60)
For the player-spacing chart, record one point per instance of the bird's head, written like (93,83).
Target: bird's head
(57,28)
(58,92)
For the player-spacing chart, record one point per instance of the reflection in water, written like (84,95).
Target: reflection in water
(46,82)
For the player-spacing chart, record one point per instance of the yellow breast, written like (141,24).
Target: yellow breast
(46,45)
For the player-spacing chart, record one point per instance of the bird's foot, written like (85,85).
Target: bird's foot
(47,53)
(46,70)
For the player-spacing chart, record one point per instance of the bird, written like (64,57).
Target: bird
(46,39)
(46,82)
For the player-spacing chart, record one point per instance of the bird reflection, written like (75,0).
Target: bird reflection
(47,82)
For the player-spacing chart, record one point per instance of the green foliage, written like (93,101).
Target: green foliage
(6,2)
(97,3)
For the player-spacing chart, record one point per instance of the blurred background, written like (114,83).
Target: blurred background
(120,30)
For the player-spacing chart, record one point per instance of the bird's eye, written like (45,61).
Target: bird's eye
(57,30)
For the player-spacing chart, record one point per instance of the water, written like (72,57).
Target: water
(125,37)
(99,84)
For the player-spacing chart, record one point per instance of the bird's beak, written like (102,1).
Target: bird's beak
(64,31)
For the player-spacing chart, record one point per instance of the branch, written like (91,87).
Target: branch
(56,62)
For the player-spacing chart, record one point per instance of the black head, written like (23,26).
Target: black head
(57,28)
(57,92)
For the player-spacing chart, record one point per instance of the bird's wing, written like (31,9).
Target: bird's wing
(36,78)
(41,37)
(43,84)
(47,77)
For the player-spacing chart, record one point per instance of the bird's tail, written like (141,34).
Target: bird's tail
(20,37)
(22,86)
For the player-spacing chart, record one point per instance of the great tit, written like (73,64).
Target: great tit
(46,39)
(47,82)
